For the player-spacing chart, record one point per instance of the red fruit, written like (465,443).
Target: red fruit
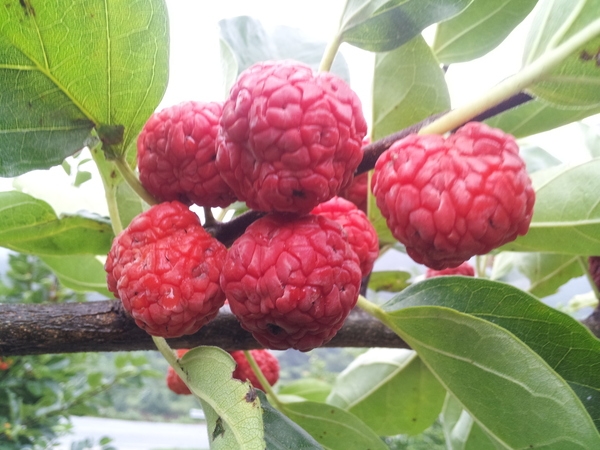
(464,269)
(361,235)
(165,269)
(176,155)
(449,199)
(266,361)
(290,138)
(174,381)
(292,283)
(5,364)
(357,192)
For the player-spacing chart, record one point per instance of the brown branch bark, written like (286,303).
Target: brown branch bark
(103,326)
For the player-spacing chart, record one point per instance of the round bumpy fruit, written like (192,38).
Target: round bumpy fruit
(449,199)
(292,283)
(176,155)
(165,268)
(465,269)
(266,361)
(361,235)
(357,192)
(174,381)
(290,138)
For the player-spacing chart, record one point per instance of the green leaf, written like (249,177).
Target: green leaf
(566,217)
(82,273)
(537,158)
(575,81)
(565,344)
(408,86)
(333,427)
(546,271)
(390,390)
(233,413)
(29,225)
(461,432)
(481,27)
(389,280)
(311,389)
(229,65)
(592,139)
(537,116)
(280,432)
(380,26)
(67,68)
(250,43)
(505,386)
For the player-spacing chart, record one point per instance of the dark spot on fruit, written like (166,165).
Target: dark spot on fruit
(274,329)
(297,193)
(414,419)
(113,174)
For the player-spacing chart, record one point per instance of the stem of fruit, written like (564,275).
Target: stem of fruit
(170,355)
(530,74)
(113,210)
(263,380)
(329,55)
(133,181)
(371,308)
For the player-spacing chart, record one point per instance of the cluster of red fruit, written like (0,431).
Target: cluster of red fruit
(266,361)
(287,141)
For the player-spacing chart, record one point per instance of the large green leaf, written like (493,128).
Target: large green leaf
(390,390)
(250,43)
(408,86)
(79,272)
(537,116)
(280,432)
(233,411)
(481,27)
(575,81)
(505,386)
(380,26)
(68,67)
(333,427)
(566,215)
(29,225)
(566,345)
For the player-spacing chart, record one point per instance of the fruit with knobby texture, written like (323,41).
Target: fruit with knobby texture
(266,361)
(290,138)
(165,268)
(361,235)
(292,282)
(176,155)
(449,199)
